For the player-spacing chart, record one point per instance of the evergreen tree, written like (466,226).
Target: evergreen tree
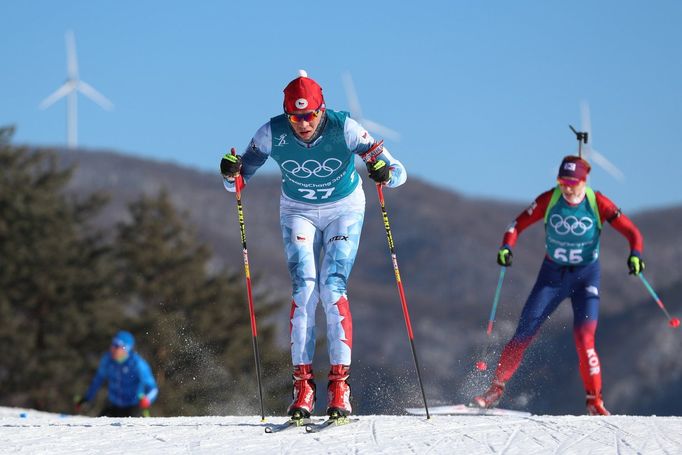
(192,326)
(54,288)
(67,287)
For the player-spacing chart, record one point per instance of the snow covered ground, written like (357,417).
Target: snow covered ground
(33,432)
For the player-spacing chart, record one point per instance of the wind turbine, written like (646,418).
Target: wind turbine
(356,110)
(585,137)
(70,88)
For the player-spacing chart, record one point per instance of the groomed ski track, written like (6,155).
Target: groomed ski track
(38,433)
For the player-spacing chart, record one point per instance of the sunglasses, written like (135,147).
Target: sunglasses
(568,181)
(307,117)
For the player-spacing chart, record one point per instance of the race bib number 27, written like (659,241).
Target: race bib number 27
(322,193)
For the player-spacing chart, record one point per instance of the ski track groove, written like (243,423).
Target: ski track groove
(593,435)
(621,437)
(617,443)
(658,435)
(558,428)
(509,440)
(481,444)
(288,446)
(535,439)
(539,424)
(410,447)
(373,432)
(457,437)
(564,446)
(433,447)
(612,427)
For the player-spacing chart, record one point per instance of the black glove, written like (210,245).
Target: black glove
(504,256)
(230,165)
(635,264)
(379,171)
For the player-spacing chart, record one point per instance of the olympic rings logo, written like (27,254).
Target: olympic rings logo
(311,168)
(570,224)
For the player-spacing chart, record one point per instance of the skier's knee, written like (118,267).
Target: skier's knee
(333,288)
(303,284)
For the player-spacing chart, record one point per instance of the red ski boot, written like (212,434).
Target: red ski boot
(338,391)
(304,392)
(491,398)
(595,406)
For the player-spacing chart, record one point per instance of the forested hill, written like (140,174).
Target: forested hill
(446,246)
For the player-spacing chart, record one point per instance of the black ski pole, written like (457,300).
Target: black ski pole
(239,183)
(368,157)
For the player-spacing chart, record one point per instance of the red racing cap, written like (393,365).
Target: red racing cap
(573,170)
(303,94)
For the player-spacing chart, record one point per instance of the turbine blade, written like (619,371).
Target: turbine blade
(381,130)
(352,96)
(607,165)
(71,59)
(89,91)
(590,153)
(62,91)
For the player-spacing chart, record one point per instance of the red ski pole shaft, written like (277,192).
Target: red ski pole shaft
(239,183)
(401,292)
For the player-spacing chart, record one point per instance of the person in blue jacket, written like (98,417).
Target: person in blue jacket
(131,386)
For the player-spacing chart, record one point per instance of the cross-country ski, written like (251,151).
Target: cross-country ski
(291,423)
(463,409)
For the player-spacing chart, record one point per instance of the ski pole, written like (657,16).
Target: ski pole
(401,291)
(481,365)
(491,320)
(239,184)
(672,322)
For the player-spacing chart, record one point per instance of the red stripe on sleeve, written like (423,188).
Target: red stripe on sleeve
(534,213)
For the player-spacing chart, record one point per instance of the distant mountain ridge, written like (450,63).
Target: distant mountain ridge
(446,245)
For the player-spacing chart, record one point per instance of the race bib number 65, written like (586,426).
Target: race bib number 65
(570,256)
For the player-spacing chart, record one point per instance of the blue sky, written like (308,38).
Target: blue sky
(481,92)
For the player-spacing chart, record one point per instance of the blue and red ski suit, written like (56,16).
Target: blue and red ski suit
(570,270)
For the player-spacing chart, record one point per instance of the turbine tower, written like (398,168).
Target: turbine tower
(70,88)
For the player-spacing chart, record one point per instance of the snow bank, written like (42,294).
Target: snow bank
(33,432)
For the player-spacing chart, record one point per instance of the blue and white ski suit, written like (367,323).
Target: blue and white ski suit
(322,209)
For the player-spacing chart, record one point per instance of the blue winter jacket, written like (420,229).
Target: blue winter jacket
(127,381)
